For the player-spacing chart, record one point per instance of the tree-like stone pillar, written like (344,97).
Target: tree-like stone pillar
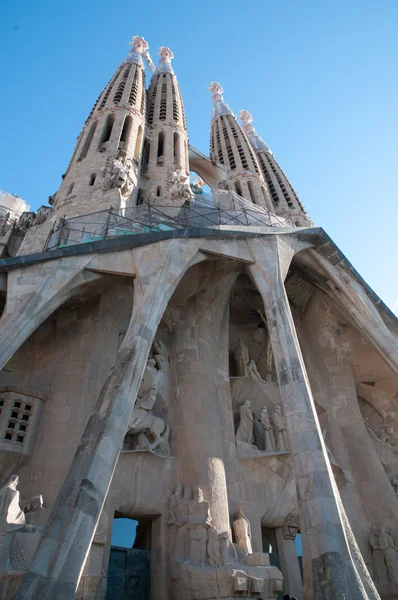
(328,555)
(201,370)
(292,581)
(367,493)
(58,563)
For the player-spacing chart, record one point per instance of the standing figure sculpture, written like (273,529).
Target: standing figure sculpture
(242,530)
(11,515)
(199,522)
(245,428)
(279,423)
(242,359)
(181,552)
(268,430)
(389,550)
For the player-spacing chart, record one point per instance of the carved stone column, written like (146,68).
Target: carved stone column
(285,539)
(327,553)
(201,370)
(59,560)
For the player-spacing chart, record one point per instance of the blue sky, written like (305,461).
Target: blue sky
(319,78)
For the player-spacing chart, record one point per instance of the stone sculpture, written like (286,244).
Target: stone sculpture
(384,555)
(161,356)
(242,530)
(245,428)
(116,174)
(377,555)
(180,188)
(279,423)
(198,523)
(181,551)
(11,515)
(142,420)
(269,445)
(389,551)
(25,221)
(42,214)
(150,432)
(253,371)
(19,538)
(36,514)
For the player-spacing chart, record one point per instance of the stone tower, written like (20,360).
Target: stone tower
(104,168)
(166,145)
(285,200)
(229,146)
(220,374)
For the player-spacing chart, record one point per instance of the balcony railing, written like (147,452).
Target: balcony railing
(146,218)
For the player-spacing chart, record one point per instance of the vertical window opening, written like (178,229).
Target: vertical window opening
(160,148)
(145,156)
(238,188)
(134,87)
(120,88)
(163,102)
(140,197)
(159,191)
(138,145)
(88,141)
(92,179)
(142,108)
(125,135)
(106,132)
(251,191)
(70,189)
(176,149)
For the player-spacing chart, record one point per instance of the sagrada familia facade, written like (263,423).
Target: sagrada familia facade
(208,364)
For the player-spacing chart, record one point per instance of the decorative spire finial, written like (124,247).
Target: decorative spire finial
(138,47)
(219,106)
(254,138)
(164,65)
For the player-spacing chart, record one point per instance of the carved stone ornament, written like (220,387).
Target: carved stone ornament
(42,214)
(291,527)
(116,174)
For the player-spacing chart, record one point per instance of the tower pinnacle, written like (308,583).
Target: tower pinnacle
(285,200)
(219,106)
(164,65)
(254,138)
(139,47)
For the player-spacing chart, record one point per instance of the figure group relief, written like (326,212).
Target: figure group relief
(147,431)
(272,428)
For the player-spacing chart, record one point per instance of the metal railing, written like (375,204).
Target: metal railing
(146,218)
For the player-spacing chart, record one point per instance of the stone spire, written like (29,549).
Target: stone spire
(165,165)
(104,168)
(229,146)
(285,200)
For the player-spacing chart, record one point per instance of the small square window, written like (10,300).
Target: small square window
(17,405)
(8,436)
(20,439)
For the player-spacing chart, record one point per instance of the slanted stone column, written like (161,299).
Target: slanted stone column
(355,300)
(201,369)
(329,556)
(59,560)
(285,539)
